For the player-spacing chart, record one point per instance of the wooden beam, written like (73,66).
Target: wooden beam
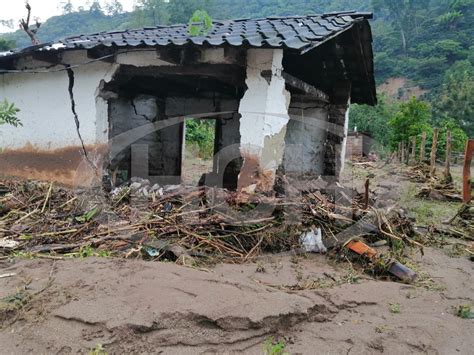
(228,73)
(302,86)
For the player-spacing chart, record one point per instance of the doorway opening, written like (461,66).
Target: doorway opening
(198,150)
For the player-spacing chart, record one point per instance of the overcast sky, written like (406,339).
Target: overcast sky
(15,9)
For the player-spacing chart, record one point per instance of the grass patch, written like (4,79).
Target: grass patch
(427,212)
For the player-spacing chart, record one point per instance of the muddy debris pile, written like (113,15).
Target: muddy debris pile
(435,187)
(188,225)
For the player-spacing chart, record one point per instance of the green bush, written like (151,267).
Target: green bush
(201,133)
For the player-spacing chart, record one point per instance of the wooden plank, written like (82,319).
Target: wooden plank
(433,152)
(306,88)
(466,174)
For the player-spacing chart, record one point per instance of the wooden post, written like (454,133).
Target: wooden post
(447,173)
(466,173)
(366,196)
(403,152)
(399,153)
(413,150)
(422,147)
(433,152)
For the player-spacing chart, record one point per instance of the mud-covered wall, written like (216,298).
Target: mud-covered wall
(47,145)
(305,138)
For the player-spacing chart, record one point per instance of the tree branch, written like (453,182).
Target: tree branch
(25,26)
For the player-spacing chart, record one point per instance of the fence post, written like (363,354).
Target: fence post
(413,150)
(403,152)
(422,147)
(466,174)
(433,152)
(447,173)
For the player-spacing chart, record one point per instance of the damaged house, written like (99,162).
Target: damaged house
(114,104)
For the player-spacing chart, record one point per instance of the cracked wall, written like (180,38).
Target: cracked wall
(49,133)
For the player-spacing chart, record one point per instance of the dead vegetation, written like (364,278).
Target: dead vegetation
(185,224)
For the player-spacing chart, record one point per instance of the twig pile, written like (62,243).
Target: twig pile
(182,223)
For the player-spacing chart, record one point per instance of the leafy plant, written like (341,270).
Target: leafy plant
(8,114)
(464,311)
(274,348)
(200,23)
(395,307)
(88,216)
(98,350)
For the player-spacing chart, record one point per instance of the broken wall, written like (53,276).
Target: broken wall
(305,137)
(264,111)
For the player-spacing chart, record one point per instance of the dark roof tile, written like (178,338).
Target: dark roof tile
(295,32)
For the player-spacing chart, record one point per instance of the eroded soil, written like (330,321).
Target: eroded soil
(311,303)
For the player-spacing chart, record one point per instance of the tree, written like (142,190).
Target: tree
(67,7)
(410,120)
(113,7)
(456,99)
(26,26)
(6,44)
(95,7)
(151,12)
(8,114)
(181,10)
(404,15)
(373,119)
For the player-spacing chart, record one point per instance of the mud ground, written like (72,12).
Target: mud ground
(310,303)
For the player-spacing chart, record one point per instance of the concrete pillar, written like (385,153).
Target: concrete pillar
(264,118)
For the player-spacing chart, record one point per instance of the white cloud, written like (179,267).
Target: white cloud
(43,9)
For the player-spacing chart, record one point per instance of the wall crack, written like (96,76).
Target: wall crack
(70,74)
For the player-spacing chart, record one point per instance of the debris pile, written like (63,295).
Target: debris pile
(435,188)
(183,223)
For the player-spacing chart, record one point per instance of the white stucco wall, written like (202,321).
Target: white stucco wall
(45,108)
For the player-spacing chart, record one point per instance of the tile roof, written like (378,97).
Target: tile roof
(289,32)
